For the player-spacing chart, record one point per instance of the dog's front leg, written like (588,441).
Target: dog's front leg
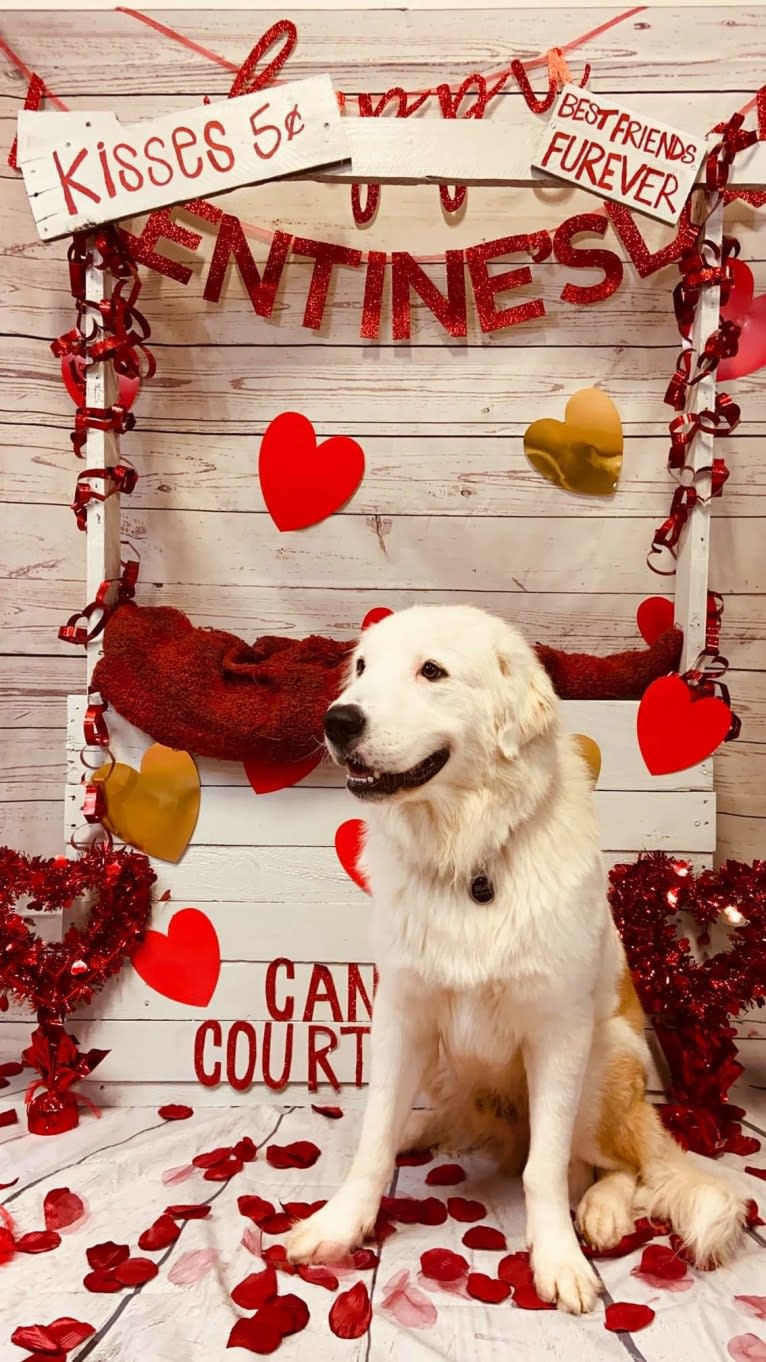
(402,1045)
(556,1057)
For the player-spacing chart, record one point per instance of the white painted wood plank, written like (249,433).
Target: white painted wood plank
(278,989)
(102,450)
(235,817)
(406,472)
(77,176)
(600,622)
(611,723)
(385,553)
(692,563)
(151,1052)
(391,46)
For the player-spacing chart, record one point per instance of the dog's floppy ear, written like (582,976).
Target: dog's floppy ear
(530,707)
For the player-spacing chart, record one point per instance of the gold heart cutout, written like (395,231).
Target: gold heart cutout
(155,809)
(582,453)
(590,753)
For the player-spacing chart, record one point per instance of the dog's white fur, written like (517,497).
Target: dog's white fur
(513,1015)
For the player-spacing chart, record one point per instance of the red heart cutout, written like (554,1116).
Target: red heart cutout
(185,964)
(348,848)
(675,731)
(73,374)
(303,482)
(654,617)
(267,776)
(381,612)
(750,315)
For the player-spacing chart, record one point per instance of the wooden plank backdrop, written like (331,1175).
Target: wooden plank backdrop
(449,509)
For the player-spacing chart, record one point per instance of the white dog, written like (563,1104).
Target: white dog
(504,993)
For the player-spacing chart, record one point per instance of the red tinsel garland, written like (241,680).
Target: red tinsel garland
(56,977)
(691,1002)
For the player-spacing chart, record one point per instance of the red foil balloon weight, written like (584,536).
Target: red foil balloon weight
(53,1113)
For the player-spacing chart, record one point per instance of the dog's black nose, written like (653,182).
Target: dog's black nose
(343,723)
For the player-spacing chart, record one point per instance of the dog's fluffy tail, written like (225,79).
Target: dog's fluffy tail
(702,1201)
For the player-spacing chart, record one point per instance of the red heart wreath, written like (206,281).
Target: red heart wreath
(56,977)
(692,1003)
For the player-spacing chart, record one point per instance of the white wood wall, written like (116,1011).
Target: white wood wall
(449,509)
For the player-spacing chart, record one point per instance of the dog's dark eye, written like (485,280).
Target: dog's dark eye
(432,671)
(359,666)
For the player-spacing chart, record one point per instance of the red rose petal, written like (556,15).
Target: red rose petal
(245,1149)
(753,1214)
(465,1211)
(332,1113)
(407,1303)
(527,1298)
(5,1185)
(9,1117)
(279,1223)
(258,1335)
(300,1154)
(754,1305)
(191,1267)
(255,1208)
(163,1232)
(410,1210)
(213,1156)
(291,1312)
(414,1158)
(364,1259)
(62,1208)
(179,1174)
(221,1172)
(38,1241)
(756,1172)
(136,1271)
(488,1289)
(516,1269)
(277,1255)
(70,1333)
(659,1265)
(442,1265)
(196,1211)
(255,1290)
(445,1175)
(351,1312)
(627,1317)
(7,1245)
(301,1210)
(35,1336)
(485,1237)
(175,1111)
(318,1275)
(109,1254)
(103,1279)
(432,1211)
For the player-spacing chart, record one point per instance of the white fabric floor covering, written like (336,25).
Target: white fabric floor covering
(116,1165)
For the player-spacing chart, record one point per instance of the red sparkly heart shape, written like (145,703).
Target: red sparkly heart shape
(184,964)
(348,848)
(61,976)
(675,731)
(304,482)
(750,314)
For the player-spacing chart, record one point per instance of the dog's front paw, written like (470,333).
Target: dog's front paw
(332,1233)
(564,1277)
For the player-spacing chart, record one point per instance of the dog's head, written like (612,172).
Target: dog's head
(436,694)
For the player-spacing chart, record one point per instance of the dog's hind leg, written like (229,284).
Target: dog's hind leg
(425,1129)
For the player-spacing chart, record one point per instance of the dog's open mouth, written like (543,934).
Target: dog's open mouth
(368,783)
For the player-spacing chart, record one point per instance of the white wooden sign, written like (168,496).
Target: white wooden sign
(84,170)
(599,146)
